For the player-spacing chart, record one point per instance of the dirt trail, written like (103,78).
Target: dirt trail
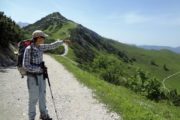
(73,100)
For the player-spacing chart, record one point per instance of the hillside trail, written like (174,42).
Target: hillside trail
(73,100)
(168,77)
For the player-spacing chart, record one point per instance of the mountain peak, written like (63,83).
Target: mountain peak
(54,19)
(56,15)
(22,24)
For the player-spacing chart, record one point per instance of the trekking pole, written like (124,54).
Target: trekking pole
(52,98)
(45,75)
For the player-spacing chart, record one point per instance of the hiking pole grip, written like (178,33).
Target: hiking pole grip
(44,68)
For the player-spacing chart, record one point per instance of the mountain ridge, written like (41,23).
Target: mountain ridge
(22,24)
(154,47)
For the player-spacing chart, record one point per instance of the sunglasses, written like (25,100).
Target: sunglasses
(41,37)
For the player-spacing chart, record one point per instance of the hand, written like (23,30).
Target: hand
(68,42)
(43,66)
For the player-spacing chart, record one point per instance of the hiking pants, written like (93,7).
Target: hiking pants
(37,91)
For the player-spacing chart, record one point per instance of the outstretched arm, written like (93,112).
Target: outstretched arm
(45,47)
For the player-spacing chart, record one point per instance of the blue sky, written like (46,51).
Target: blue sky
(140,22)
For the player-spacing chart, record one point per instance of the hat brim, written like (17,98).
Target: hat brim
(45,35)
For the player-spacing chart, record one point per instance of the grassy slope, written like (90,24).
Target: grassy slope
(61,33)
(144,58)
(128,104)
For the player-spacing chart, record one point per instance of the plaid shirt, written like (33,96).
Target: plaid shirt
(37,56)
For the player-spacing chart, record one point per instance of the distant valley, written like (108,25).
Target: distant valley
(151,47)
(22,24)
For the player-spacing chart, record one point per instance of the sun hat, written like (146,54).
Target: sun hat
(39,33)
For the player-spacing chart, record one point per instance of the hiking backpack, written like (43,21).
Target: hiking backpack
(21,48)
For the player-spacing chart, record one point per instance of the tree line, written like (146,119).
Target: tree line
(9,31)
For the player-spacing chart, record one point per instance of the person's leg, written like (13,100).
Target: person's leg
(42,96)
(33,90)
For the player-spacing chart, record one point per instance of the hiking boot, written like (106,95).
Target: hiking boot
(45,117)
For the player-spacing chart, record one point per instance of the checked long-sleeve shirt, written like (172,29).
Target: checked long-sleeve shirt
(32,65)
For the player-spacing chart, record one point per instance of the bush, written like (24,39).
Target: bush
(154,90)
(154,63)
(174,97)
(109,68)
(165,67)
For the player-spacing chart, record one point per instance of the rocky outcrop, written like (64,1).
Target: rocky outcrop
(7,56)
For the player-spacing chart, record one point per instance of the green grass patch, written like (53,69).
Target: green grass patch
(63,32)
(126,103)
(60,31)
(173,83)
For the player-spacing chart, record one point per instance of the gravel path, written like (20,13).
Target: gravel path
(73,100)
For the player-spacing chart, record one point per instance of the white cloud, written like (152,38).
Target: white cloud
(168,20)
(134,18)
(128,18)
(139,18)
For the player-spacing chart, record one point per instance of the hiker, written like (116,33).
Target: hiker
(35,82)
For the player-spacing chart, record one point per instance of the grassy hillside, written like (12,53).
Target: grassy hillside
(153,61)
(55,25)
(62,32)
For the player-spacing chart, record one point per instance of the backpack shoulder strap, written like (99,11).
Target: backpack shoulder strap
(31,50)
